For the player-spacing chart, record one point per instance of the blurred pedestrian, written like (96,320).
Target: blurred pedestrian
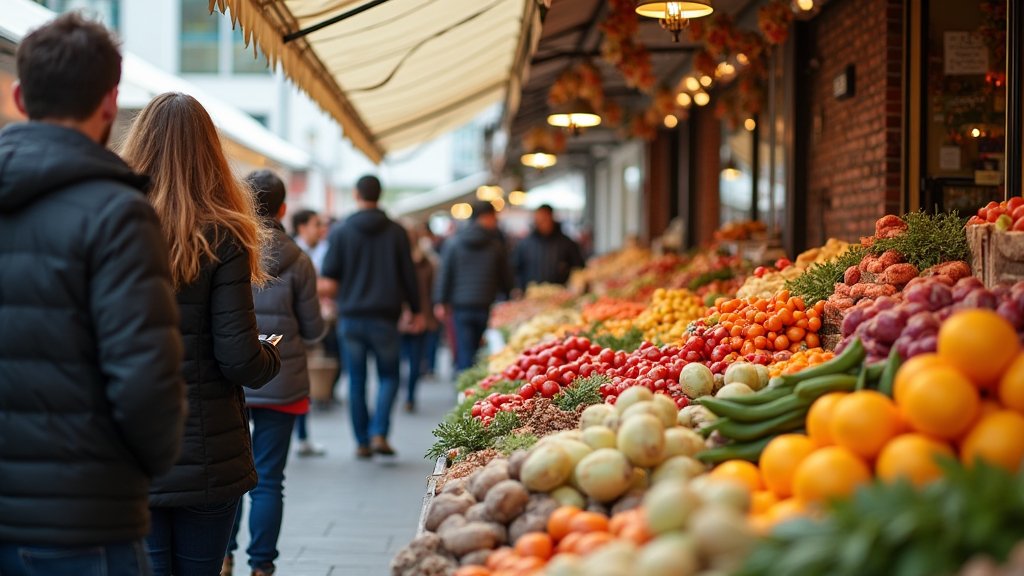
(216,244)
(414,338)
(546,255)
(429,245)
(92,400)
(474,272)
(288,305)
(307,227)
(371,267)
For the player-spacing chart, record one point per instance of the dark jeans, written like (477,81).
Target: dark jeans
(125,559)
(470,325)
(359,338)
(412,352)
(302,427)
(190,540)
(433,339)
(271,439)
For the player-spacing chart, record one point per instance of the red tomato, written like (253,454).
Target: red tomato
(527,391)
(1018,226)
(1013,203)
(993,215)
(549,389)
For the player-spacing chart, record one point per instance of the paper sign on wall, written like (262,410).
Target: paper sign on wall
(964,53)
(949,158)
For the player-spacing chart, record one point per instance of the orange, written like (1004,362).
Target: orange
(569,543)
(939,401)
(472,571)
(780,459)
(980,344)
(864,421)
(588,522)
(1011,387)
(558,522)
(537,544)
(500,557)
(819,417)
(787,509)
(762,501)
(910,368)
(998,439)
(637,533)
(739,471)
(912,456)
(592,541)
(830,472)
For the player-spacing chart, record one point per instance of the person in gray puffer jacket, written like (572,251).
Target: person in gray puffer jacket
(288,306)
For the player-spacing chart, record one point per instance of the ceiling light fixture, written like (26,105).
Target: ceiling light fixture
(539,160)
(674,16)
(575,115)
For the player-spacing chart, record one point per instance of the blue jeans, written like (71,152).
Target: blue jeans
(359,338)
(433,339)
(190,540)
(470,325)
(412,352)
(271,439)
(125,559)
(301,427)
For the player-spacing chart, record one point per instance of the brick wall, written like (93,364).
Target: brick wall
(854,153)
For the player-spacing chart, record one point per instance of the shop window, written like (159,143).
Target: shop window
(106,11)
(965,103)
(736,183)
(200,38)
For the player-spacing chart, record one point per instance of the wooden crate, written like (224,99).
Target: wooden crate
(998,257)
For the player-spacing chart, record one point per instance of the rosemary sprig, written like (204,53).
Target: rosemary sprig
(582,392)
(930,239)
(819,281)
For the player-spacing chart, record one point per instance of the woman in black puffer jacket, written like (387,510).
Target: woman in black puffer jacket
(216,241)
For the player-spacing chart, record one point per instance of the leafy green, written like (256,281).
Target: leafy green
(512,442)
(628,342)
(582,392)
(930,239)
(472,376)
(469,434)
(900,530)
(819,281)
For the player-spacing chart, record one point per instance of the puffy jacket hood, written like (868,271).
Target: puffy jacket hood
(38,158)
(282,251)
(477,237)
(370,222)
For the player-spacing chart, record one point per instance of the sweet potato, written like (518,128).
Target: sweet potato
(447,505)
(843,303)
(842,290)
(878,290)
(890,226)
(470,538)
(876,267)
(867,261)
(890,257)
(484,479)
(857,291)
(954,270)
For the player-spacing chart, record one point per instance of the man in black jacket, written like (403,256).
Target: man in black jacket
(369,261)
(91,393)
(547,255)
(474,271)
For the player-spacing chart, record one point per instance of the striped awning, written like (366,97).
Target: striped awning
(395,73)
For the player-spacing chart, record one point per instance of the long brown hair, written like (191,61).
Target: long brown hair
(198,200)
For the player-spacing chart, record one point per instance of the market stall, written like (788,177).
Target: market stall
(705,414)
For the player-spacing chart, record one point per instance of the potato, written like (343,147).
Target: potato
(478,513)
(515,463)
(486,478)
(529,522)
(451,522)
(506,500)
(478,558)
(470,538)
(500,532)
(456,487)
(433,565)
(447,505)
(595,506)
(629,501)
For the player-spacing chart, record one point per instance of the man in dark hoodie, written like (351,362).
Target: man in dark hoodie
(91,393)
(288,306)
(474,271)
(370,272)
(547,255)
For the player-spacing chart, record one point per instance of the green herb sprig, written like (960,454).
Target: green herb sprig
(819,281)
(582,392)
(469,434)
(930,239)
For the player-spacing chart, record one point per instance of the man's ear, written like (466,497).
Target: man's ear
(19,98)
(108,107)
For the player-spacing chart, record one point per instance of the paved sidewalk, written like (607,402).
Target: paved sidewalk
(345,517)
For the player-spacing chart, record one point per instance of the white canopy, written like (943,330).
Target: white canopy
(141,81)
(395,73)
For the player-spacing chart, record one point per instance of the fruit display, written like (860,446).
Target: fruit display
(909,322)
(767,281)
(539,298)
(740,230)
(551,325)
(667,317)
(1006,215)
(800,361)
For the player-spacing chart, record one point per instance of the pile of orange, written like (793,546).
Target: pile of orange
(800,361)
(607,308)
(570,530)
(775,324)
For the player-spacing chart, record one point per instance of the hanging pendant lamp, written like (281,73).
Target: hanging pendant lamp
(575,115)
(674,15)
(539,159)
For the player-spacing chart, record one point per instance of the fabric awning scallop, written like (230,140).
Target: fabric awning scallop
(395,73)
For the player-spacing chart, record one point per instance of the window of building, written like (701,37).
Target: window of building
(106,11)
(200,38)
